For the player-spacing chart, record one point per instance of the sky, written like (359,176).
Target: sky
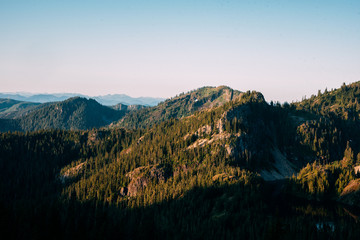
(283,48)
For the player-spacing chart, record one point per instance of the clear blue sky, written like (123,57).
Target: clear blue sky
(285,49)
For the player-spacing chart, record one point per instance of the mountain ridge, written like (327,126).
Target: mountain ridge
(179,106)
(42,115)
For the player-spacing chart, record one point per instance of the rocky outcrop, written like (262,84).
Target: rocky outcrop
(223,177)
(357,170)
(213,139)
(282,168)
(351,193)
(204,130)
(72,173)
(141,177)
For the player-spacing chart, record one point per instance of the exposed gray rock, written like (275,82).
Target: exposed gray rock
(141,177)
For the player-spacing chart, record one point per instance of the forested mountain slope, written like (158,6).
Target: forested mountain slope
(74,113)
(343,103)
(10,108)
(180,106)
(241,134)
(330,121)
(199,176)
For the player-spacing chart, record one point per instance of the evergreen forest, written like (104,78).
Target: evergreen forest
(213,163)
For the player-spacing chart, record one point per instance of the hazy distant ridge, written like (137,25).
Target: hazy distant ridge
(109,100)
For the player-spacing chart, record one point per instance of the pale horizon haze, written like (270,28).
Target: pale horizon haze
(284,49)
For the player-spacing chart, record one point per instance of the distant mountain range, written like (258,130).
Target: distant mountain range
(108,100)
